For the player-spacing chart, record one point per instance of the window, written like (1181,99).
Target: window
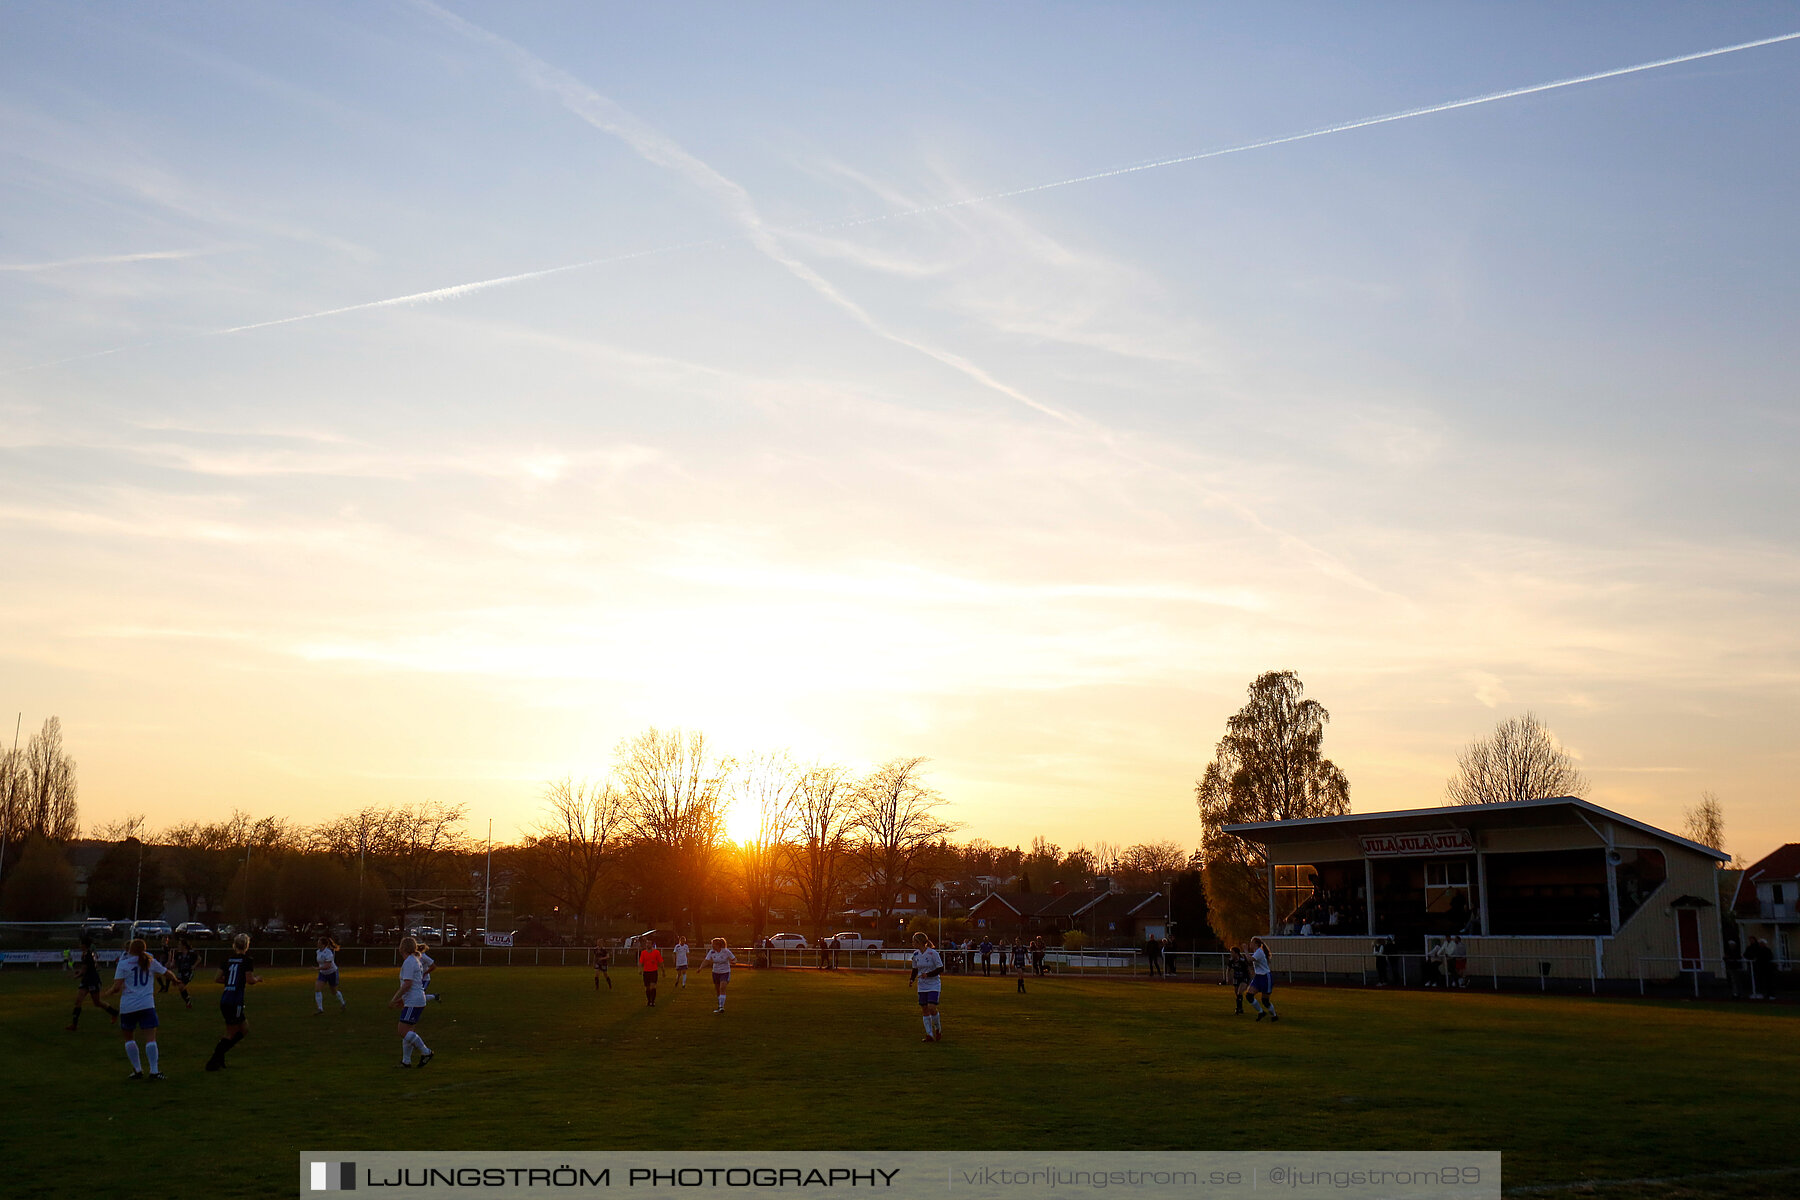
(1447,887)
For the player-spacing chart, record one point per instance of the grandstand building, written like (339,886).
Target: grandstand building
(1553,888)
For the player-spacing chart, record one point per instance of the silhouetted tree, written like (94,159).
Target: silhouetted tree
(1267,767)
(1520,760)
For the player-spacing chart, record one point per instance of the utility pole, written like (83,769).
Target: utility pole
(487,895)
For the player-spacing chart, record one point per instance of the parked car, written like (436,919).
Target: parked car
(786,941)
(856,941)
(194,931)
(151,929)
(95,928)
(427,933)
(342,933)
(275,929)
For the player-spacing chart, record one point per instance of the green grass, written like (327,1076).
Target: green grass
(532,1058)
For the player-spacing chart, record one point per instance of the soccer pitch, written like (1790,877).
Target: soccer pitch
(534,1058)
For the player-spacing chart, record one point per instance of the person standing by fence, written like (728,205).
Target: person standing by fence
(1037,955)
(987,956)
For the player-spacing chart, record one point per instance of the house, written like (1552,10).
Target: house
(1106,916)
(1767,902)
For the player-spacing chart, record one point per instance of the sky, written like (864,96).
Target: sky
(804,415)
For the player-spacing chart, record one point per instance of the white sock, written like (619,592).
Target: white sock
(319,1001)
(342,1003)
(937,1023)
(150,1051)
(131,1052)
(927,1021)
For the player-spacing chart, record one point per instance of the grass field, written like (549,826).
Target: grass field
(533,1058)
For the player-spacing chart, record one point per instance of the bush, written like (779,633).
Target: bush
(1074,939)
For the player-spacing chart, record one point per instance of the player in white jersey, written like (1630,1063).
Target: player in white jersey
(927,973)
(135,976)
(1262,981)
(720,959)
(410,1000)
(681,962)
(427,962)
(328,977)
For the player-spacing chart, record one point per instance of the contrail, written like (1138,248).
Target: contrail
(1343,127)
(464,289)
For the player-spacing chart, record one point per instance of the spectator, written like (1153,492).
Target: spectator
(1153,953)
(1761,961)
(987,957)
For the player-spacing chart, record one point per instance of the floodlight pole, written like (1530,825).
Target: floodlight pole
(487,896)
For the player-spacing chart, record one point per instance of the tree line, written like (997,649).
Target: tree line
(648,840)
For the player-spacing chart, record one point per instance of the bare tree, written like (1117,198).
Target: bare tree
(1267,767)
(1705,822)
(768,784)
(897,826)
(674,789)
(131,825)
(570,850)
(201,860)
(1145,867)
(45,801)
(819,848)
(1520,760)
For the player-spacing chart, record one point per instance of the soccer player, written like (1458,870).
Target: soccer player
(1262,981)
(602,959)
(927,973)
(237,975)
(186,959)
(410,1000)
(426,962)
(136,977)
(1019,953)
(720,959)
(650,964)
(681,961)
(162,954)
(88,986)
(1240,976)
(326,956)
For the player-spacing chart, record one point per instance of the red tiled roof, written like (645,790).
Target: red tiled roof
(1783,864)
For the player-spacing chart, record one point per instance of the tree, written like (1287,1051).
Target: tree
(1267,767)
(1148,865)
(40,886)
(40,789)
(674,789)
(126,881)
(897,826)
(199,859)
(1520,760)
(1705,822)
(769,785)
(571,848)
(313,889)
(819,848)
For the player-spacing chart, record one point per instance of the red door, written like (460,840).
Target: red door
(1687,938)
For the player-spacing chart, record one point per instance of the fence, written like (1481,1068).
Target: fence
(1570,969)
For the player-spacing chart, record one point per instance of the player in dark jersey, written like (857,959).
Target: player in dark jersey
(237,975)
(601,957)
(89,986)
(186,959)
(162,954)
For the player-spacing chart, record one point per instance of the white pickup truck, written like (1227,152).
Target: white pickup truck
(853,941)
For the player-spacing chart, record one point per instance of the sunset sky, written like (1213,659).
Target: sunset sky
(1457,415)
